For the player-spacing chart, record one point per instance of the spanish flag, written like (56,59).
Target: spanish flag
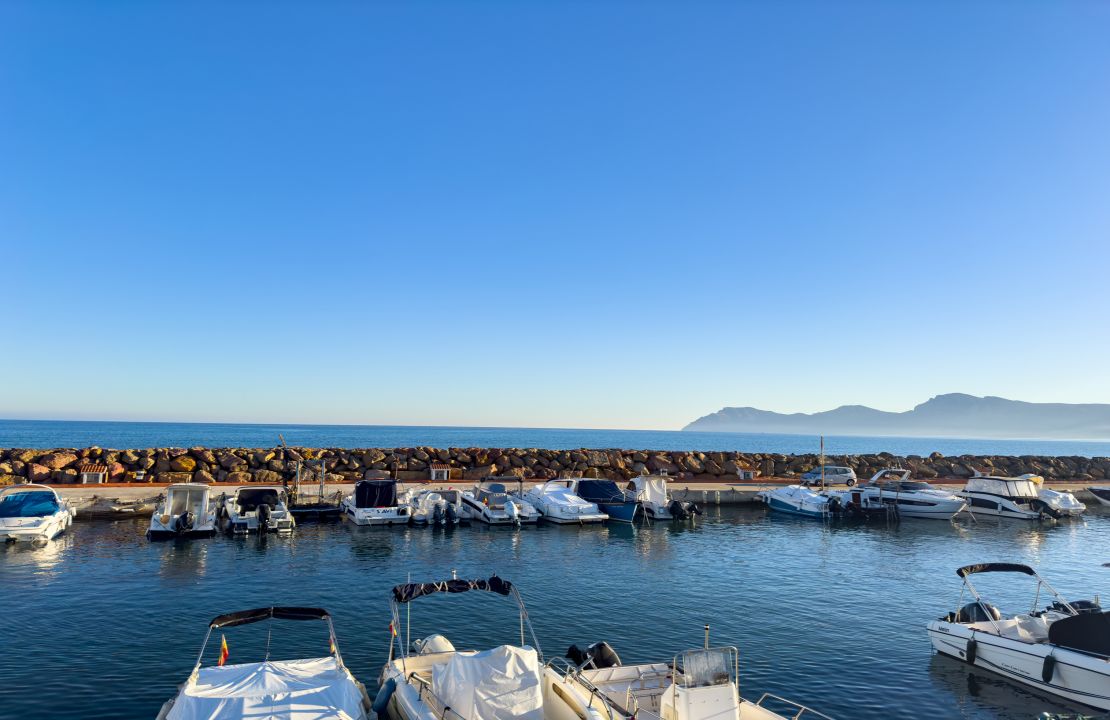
(223,650)
(392,629)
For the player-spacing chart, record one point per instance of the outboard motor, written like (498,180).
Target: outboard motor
(1082,607)
(678,510)
(975,612)
(1045,509)
(599,655)
(183,523)
(835,506)
(512,512)
(264,517)
(451,515)
(437,514)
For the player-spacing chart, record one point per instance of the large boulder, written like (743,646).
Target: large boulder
(117,472)
(38,473)
(183,463)
(204,455)
(239,477)
(232,462)
(269,477)
(57,461)
(597,458)
(173,477)
(203,476)
(261,457)
(23,456)
(65,476)
(659,463)
(10,479)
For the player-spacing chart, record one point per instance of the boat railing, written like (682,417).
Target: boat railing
(568,669)
(429,698)
(801,709)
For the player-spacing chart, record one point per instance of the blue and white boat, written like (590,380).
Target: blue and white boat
(851,504)
(797,500)
(609,498)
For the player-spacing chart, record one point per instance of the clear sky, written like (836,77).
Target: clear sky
(576,214)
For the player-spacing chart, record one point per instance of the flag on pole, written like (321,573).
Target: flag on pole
(392,629)
(223,650)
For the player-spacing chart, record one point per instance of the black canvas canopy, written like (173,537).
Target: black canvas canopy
(1087,632)
(250,498)
(600,490)
(994,567)
(376,493)
(410,591)
(245,617)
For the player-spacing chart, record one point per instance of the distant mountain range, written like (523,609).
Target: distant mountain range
(952,415)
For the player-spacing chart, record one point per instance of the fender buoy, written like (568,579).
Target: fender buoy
(969,651)
(381,700)
(1048,669)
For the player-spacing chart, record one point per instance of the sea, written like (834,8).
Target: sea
(103,624)
(81,433)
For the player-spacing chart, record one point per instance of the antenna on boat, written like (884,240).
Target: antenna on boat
(707,636)
(822,462)
(454,574)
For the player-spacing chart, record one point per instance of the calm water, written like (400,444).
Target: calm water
(57,433)
(107,622)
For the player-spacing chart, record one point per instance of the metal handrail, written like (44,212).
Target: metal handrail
(572,670)
(425,686)
(802,709)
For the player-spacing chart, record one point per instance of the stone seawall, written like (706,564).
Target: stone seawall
(273,465)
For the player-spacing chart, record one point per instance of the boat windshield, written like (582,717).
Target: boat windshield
(30,503)
(905,486)
(187,499)
(703,668)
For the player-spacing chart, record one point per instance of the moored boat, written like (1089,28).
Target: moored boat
(1063,503)
(913,498)
(304,689)
(437,507)
(490,503)
(851,504)
(1063,649)
(1101,493)
(377,502)
(609,498)
(432,680)
(558,503)
(33,513)
(650,491)
(1007,497)
(256,510)
(187,510)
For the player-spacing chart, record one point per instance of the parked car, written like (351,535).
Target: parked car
(834,475)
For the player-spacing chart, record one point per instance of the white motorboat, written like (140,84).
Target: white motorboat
(650,491)
(186,510)
(308,689)
(1063,503)
(437,507)
(491,504)
(33,513)
(1101,493)
(699,684)
(558,503)
(431,680)
(377,502)
(1063,649)
(913,498)
(1008,497)
(851,504)
(257,509)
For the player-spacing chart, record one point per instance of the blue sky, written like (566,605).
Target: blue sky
(549,214)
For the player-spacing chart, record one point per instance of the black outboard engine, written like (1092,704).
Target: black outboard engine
(599,655)
(1045,509)
(263,517)
(183,523)
(977,612)
(1082,607)
(452,516)
(678,510)
(835,506)
(437,515)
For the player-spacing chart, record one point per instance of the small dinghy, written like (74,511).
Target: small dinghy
(431,680)
(257,510)
(33,513)
(1007,497)
(377,502)
(442,508)
(1063,649)
(650,491)
(700,684)
(558,503)
(1101,493)
(309,689)
(609,498)
(186,511)
(490,503)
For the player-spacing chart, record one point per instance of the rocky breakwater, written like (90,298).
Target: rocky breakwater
(275,465)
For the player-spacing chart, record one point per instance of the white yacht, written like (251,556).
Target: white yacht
(851,504)
(1008,497)
(913,498)
(186,510)
(700,684)
(650,491)
(33,513)
(437,507)
(431,680)
(1063,649)
(317,687)
(558,503)
(257,510)
(491,504)
(377,502)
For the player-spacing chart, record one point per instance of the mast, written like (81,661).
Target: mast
(822,462)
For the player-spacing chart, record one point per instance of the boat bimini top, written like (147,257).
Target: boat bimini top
(295,689)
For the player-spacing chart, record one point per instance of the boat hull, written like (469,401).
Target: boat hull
(378,516)
(1077,676)
(1102,494)
(50,528)
(997,506)
(783,506)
